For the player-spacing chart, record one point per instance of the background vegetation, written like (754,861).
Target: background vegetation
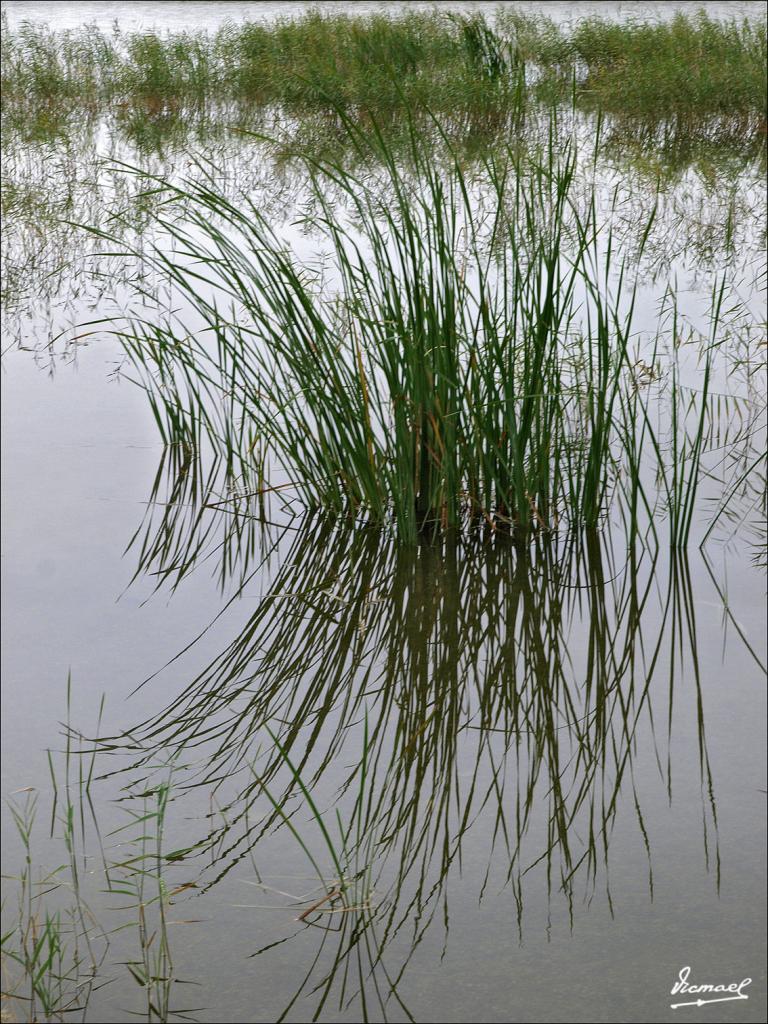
(688,67)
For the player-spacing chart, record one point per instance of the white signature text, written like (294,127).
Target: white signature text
(722,993)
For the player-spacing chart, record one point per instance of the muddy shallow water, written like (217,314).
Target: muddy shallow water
(537,773)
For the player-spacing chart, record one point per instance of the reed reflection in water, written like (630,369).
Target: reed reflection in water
(381,704)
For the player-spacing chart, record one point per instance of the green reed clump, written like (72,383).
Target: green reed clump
(46,77)
(687,64)
(690,65)
(313,61)
(375,61)
(459,353)
(158,69)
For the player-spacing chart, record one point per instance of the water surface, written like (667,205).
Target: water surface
(542,770)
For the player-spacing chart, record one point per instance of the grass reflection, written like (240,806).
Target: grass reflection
(470,707)
(381,703)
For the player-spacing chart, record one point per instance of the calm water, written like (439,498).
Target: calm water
(542,772)
(210,15)
(611,951)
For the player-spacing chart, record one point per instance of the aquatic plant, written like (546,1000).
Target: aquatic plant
(57,954)
(462,352)
(690,68)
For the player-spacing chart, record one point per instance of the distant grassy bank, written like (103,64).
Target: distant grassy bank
(688,67)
